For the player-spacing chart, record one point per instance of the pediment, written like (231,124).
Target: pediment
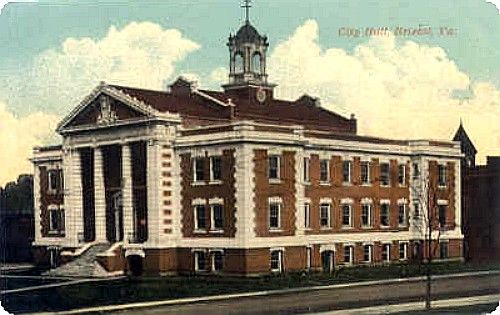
(105,106)
(104,110)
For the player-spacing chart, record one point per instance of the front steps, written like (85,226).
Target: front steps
(83,266)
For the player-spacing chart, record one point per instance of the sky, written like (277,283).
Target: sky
(403,86)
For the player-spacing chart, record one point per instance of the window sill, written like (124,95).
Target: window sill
(218,231)
(308,229)
(215,182)
(274,181)
(402,186)
(347,227)
(275,230)
(325,228)
(325,184)
(366,185)
(347,184)
(385,226)
(55,232)
(308,183)
(366,227)
(442,187)
(198,183)
(385,186)
(197,231)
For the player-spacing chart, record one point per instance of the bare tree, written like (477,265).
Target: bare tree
(427,222)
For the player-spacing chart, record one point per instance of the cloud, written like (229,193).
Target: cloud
(18,136)
(141,54)
(495,3)
(396,89)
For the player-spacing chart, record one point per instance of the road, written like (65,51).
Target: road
(335,299)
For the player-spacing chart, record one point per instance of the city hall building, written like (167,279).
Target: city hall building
(236,181)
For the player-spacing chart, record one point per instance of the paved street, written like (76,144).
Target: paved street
(325,300)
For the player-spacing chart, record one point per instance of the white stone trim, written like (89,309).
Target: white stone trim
(215,201)
(442,202)
(275,199)
(366,200)
(280,248)
(402,201)
(325,200)
(198,202)
(327,247)
(385,201)
(346,201)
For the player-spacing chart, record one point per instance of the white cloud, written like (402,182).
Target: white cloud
(396,90)
(496,3)
(18,136)
(141,54)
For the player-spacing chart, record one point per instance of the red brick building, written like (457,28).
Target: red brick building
(235,181)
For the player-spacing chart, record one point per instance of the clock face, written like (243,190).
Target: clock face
(261,95)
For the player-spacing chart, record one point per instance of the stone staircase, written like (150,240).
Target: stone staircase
(83,266)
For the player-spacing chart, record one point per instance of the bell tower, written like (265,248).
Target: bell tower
(247,56)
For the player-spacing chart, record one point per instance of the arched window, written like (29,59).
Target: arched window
(239,63)
(256,63)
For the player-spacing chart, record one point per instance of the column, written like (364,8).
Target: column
(153,190)
(99,196)
(75,223)
(127,194)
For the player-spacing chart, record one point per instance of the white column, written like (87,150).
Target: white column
(75,224)
(99,196)
(127,192)
(36,203)
(153,190)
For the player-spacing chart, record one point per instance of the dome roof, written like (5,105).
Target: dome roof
(248,34)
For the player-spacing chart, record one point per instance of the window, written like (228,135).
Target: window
(200,263)
(239,63)
(442,175)
(346,215)
(401,174)
(402,215)
(256,63)
(384,174)
(367,253)
(365,172)
(366,214)
(307,215)
(306,176)
(54,180)
(416,171)
(274,215)
(324,170)
(443,250)
(403,247)
(416,210)
(442,215)
(56,219)
(276,256)
(200,217)
(324,210)
(346,171)
(384,214)
(348,254)
(217,217)
(274,167)
(386,252)
(199,172)
(217,261)
(215,168)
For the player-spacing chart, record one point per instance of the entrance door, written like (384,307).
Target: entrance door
(327,261)
(117,209)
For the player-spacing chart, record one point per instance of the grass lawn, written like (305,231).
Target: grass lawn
(149,288)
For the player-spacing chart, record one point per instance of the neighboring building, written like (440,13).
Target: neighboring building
(17,220)
(480,203)
(237,181)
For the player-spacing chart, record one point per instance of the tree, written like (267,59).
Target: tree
(427,222)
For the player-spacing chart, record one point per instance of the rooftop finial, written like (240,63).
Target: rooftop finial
(247,4)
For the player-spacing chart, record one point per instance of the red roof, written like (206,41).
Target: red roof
(198,109)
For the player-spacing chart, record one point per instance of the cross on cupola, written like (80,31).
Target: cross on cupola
(247,49)
(247,4)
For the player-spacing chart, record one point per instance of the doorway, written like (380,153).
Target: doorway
(328,261)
